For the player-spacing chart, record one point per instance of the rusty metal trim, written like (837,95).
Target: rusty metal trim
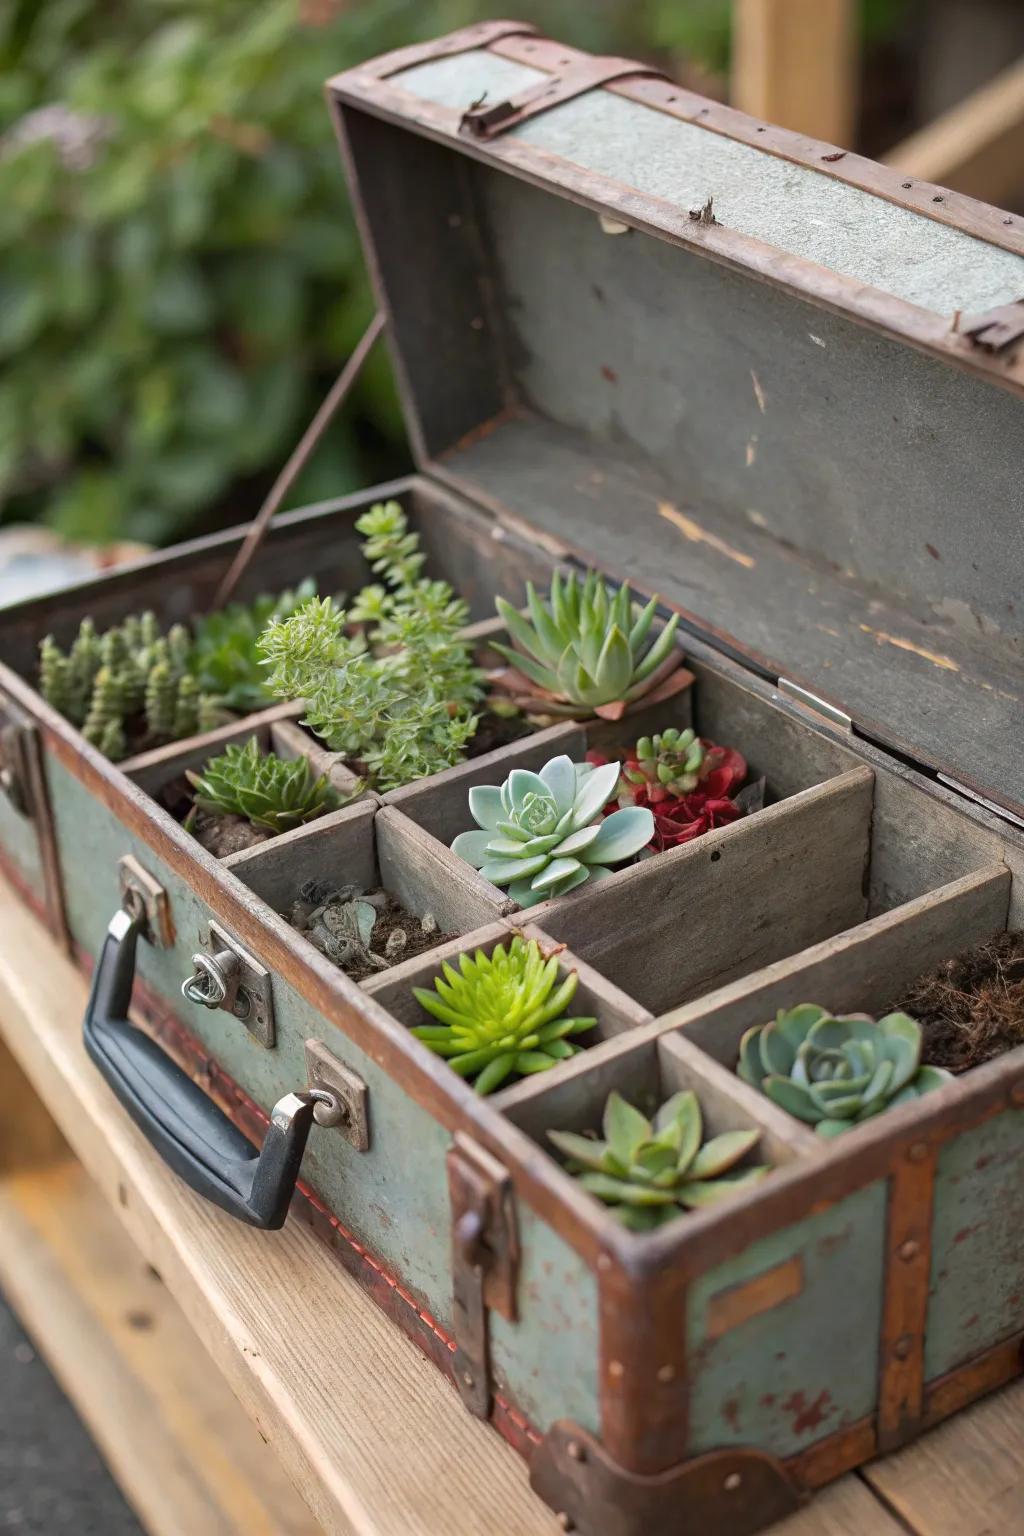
(730,1492)
(998,329)
(905,1302)
(998,226)
(585,73)
(482,34)
(643,1383)
(485,1263)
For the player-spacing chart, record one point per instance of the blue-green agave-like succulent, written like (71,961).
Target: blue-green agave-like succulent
(834,1072)
(543,834)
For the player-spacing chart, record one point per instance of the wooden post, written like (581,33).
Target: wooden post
(977,146)
(795,63)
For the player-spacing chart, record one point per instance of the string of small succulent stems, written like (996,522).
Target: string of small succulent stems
(389,681)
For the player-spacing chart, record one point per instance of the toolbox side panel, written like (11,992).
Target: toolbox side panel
(20,850)
(976,1295)
(784,1337)
(549,1358)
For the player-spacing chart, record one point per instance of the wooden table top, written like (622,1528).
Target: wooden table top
(372,1435)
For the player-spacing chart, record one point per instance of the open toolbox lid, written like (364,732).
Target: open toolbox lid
(776,383)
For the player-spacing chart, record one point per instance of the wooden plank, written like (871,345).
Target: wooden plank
(975,147)
(965,1478)
(28,1136)
(184,1453)
(846,1509)
(374,1437)
(795,62)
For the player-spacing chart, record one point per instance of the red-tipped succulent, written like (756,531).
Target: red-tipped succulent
(687,782)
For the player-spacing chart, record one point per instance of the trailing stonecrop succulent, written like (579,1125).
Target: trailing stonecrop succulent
(388,681)
(129,687)
(688,783)
(225,658)
(543,834)
(649,1171)
(835,1072)
(584,651)
(501,1015)
(268,791)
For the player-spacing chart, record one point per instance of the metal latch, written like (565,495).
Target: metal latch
(996,330)
(485,1263)
(226,976)
(18,741)
(815,703)
(486,119)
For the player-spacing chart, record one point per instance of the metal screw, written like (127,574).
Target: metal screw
(909,1250)
(616,1369)
(907,186)
(467,1378)
(575,1451)
(566,1521)
(903,1346)
(666,1373)
(918,1152)
(732,1482)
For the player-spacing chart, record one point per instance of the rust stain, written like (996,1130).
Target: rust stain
(933,551)
(758,391)
(965,1233)
(768,1399)
(937,660)
(731,1413)
(971,1321)
(698,535)
(609,374)
(808,1415)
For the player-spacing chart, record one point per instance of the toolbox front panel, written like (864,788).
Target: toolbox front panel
(783,1338)
(21,850)
(976,1295)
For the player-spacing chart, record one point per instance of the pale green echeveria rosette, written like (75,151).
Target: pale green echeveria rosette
(542,834)
(833,1073)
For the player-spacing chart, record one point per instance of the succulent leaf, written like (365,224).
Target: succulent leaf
(542,834)
(647,1171)
(503,1014)
(834,1072)
(268,791)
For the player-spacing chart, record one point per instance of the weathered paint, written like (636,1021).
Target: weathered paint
(19,842)
(549,1359)
(393,1198)
(976,1292)
(807,1367)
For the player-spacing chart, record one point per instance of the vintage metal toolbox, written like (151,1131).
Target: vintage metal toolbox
(781,387)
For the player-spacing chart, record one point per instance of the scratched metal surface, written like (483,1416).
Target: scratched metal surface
(394,1197)
(789,206)
(976,1295)
(809,1365)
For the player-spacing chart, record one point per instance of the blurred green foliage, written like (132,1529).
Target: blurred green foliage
(180,276)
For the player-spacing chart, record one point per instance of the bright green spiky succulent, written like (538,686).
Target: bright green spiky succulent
(648,1171)
(269,791)
(583,651)
(835,1072)
(501,1015)
(543,834)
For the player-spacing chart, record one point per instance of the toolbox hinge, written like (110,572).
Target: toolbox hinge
(997,329)
(817,705)
(485,1263)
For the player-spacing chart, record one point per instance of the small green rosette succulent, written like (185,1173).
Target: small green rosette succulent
(268,791)
(501,1015)
(834,1072)
(648,1171)
(543,834)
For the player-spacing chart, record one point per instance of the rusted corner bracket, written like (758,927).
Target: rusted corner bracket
(485,1263)
(997,329)
(485,120)
(730,1493)
(480,34)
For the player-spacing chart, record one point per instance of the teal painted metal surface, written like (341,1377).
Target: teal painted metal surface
(976,1295)
(393,1198)
(809,1366)
(789,206)
(19,843)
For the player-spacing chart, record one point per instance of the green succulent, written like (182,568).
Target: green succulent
(269,791)
(647,1171)
(543,834)
(672,759)
(224,655)
(501,1015)
(131,685)
(834,1072)
(583,650)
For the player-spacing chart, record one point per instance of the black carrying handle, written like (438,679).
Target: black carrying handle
(194,1137)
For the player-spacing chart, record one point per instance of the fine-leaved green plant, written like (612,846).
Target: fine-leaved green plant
(501,1015)
(388,681)
(543,834)
(648,1171)
(269,791)
(224,656)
